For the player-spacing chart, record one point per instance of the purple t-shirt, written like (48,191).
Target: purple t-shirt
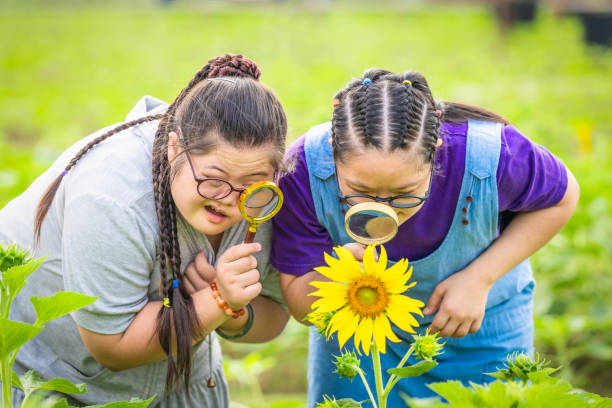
(529,178)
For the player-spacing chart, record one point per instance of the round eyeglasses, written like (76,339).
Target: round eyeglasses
(398,201)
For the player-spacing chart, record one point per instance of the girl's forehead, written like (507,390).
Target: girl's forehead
(398,162)
(236,159)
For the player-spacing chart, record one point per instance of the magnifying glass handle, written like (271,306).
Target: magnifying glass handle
(250,235)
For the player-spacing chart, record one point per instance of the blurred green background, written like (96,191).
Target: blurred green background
(68,68)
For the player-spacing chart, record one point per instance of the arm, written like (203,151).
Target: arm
(139,344)
(238,282)
(295,291)
(296,288)
(459,313)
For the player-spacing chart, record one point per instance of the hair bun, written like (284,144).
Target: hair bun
(233,65)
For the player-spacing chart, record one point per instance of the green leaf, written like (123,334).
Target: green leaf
(348,403)
(454,392)
(414,370)
(15,381)
(58,305)
(63,403)
(14,335)
(33,382)
(15,278)
(134,403)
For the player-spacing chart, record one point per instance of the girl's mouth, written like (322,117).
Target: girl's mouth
(214,215)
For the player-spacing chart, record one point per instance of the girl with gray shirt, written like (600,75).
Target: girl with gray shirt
(120,217)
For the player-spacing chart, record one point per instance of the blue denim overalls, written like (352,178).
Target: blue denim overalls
(508,324)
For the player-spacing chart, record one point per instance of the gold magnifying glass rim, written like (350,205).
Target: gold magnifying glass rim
(254,188)
(370,206)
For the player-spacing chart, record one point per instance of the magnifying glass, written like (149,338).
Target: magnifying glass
(258,203)
(371,223)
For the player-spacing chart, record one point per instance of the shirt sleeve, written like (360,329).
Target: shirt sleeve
(108,251)
(299,240)
(529,177)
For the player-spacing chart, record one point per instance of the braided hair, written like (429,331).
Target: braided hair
(387,111)
(241,111)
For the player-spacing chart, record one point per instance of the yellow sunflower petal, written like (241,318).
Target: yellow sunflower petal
(347,260)
(364,334)
(347,326)
(325,305)
(382,260)
(396,276)
(401,316)
(412,305)
(333,326)
(369,264)
(328,289)
(388,331)
(379,332)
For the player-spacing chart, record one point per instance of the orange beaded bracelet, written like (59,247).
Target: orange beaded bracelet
(223,304)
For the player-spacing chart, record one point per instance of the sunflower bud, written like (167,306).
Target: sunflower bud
(347,365)
(12,256)
(320,320)
(428,346)
(519,366)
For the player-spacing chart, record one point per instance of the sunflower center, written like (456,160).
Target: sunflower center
(367,296)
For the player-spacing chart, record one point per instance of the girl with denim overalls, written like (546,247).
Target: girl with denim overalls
(474,199)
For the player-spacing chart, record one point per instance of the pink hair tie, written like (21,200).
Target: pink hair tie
(439,113)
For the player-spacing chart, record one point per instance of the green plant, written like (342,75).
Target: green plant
(15,268)
(523,382)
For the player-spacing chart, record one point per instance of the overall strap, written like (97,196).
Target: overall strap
(321,173)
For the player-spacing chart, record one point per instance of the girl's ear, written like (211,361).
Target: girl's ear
(173,146)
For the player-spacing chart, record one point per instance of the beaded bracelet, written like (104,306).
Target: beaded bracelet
(223,304)
(244,331)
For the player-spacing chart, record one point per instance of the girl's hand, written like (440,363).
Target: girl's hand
(357,250)
(461,299)
(237,276)
(199,274)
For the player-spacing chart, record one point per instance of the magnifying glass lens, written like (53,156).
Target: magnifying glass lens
(371,223)
(261,203)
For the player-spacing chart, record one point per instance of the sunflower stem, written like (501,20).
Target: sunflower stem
(367,386)
(393,380)
(382,398)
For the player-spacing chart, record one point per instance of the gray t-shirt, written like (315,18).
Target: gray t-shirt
(100,238)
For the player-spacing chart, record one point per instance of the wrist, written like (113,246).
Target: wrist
(234,313)
(236,328)
(483,275)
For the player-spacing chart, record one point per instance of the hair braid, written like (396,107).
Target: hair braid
(184,316)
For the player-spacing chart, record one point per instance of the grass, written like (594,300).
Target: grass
(67,71)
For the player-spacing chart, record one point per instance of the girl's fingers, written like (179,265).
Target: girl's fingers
(189,287)
(240,265)
(450,327)
(239,251)
(252,291)
(193,277)
(248,278)
(434,300)
(462,330)
(475,326)
(439,322)
(205,270)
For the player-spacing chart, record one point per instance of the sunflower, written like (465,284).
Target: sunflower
(365,298)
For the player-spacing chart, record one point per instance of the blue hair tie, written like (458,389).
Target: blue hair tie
(366,81)
(175,283)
